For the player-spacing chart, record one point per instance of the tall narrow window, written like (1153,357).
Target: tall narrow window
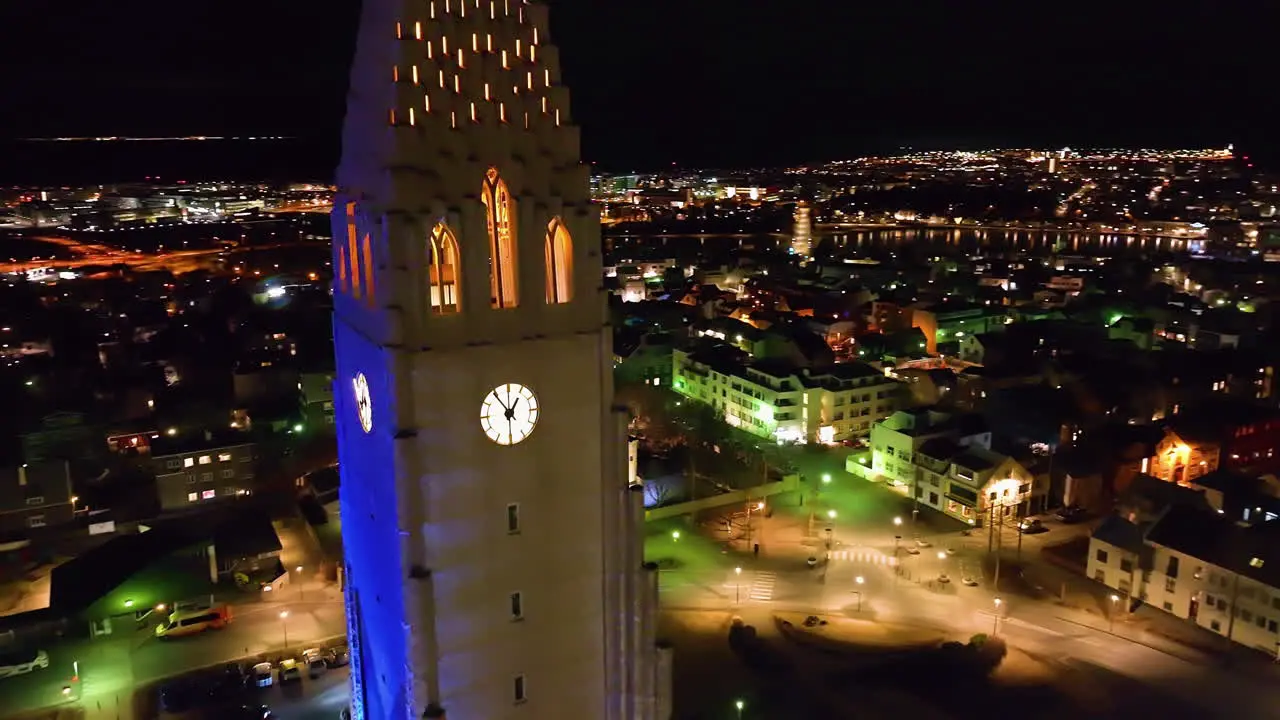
(513,518)
(353,252)
(342,269)
(559,252)
(519,691)
(517,606)
(366,252)
(443,270)
(500,218)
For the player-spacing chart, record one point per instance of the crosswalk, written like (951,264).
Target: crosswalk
(864,555)
(762,585)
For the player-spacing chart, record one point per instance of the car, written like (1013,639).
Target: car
(1073,514)
(969,581)
(178,696)
(290,671)
(316,660)
(1031,526)
(21,663)
(249,712)
(339,656)
(262,675)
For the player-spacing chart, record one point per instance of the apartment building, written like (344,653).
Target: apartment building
(776,400)
(202,468)
(36,495)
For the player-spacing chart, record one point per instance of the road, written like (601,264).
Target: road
(321,698)
(699,573)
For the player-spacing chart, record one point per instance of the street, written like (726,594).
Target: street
(849,530)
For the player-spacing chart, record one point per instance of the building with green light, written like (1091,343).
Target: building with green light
(779,401)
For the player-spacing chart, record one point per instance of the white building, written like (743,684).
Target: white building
(777,401)
(493,558)
(1197,565)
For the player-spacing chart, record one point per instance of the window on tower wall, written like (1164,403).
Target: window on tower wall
(500,218)
(443,270)
(353,252)
(559,252)
(366,253)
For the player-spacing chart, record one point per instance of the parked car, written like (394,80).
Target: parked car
(290,671)
(316,660)
(262,675)
(1073,514)
(339,656)
(1031,526)
(21,663)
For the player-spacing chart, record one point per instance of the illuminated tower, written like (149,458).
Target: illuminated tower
(494,566)
(802,238)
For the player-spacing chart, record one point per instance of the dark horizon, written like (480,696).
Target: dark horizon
(712,84)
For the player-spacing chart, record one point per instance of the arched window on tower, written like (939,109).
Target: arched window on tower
(443,270)
(366,254)
(353,251)
(559,251)
(500,217)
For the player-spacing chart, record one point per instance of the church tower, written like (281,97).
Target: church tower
(492,532)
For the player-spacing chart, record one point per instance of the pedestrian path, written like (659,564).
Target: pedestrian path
(762,585)
(865,555)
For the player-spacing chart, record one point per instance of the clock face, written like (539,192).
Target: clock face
(364,402)
(509,413)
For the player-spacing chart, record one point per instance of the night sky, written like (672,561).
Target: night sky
(721,82)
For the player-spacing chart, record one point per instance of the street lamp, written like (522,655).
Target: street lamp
(284,614)
(831,514)
(737,585)
(859,580)
(826,478)
(1111,616)
(675,536)
(897,522)
(995,618)
(740,706)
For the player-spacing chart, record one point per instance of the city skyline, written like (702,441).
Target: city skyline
(737,86)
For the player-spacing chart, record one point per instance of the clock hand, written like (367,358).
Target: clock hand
(498,397)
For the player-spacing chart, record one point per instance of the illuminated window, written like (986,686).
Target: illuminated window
(529,79)
(519,50)
(208,494)
(414,121)
(426,102)
(399,31)
(499,216)
(342,269)
(433,9)
(486,92)
(544,105)
(444,43)
(462,59)
(526,121)
(546,77)
(391,116)
(224,457)
(417,30)
(559,255)
(353,254)
(443,270)
(502,112)
(535,36)
(395,73)
(430,49)
(473,113)
(506,65)
(488,42)
(415,74)
(441,78)
(457,84)
(453,119)
(205,459)
(367,254)
(557,117)
(188,462)
(475,42)
(533,53)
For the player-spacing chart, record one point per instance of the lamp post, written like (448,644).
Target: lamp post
(737,585)
(740,706)
(297,573)
(1111,616)
(859,580)
(995,618)
(284,626)
(942,564)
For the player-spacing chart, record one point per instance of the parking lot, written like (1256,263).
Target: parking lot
(234,692)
